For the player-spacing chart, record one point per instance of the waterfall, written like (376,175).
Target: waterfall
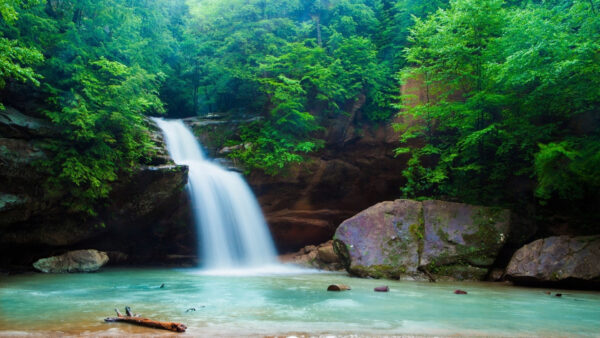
(232,230)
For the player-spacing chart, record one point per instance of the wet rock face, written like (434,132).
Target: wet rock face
(352,172)
(356,168)
(557,259)
(320,256)
(397,238)
(145,209)
(73,261)
(382,241)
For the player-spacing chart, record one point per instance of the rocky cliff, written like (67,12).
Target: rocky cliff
(304,206)
(142,219)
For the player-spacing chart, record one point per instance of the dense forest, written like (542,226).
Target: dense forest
(511,88)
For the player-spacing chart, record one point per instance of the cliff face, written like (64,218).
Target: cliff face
(147,217)
(356,169)
(143,217)
(304,206)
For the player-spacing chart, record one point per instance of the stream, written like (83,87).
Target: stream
(286,302)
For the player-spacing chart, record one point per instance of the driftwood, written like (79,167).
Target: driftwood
(138,320)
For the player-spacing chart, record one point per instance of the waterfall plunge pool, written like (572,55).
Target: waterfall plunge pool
(290,303)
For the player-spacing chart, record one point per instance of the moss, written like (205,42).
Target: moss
(341,250)
(378,271)
(486,234)
(417,231)
(442,235)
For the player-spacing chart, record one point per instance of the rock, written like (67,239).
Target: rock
(396,238)
(326,254)
(14,124)
(557,259)
(384,288)
(321,257)
(460,292)
(381,241)
(144,217)
(496,275)
(293,229)
(73,261)
(117,257)
(338,287)
(356,168)
(460,232)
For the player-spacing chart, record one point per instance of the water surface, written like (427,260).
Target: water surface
(289,303)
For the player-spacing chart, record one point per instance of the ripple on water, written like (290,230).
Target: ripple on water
(282,304)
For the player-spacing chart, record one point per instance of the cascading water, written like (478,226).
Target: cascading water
(232,229)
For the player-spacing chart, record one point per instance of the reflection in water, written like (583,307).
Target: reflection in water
(287,303)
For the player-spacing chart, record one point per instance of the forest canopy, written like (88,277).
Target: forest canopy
(511,88)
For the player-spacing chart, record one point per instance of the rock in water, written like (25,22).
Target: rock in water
(73,261)
(321,257)
(381,241)
(395,238)
(460,292)
(338,287)
(384,288)
(557,259)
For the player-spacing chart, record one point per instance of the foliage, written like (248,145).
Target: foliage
(509,90)
(15,58)
(103,117)
(297,64)
(511,95)
(102,72)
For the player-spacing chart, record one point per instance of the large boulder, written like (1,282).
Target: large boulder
(73,261)
(403,237)
(557,259)
(382,241)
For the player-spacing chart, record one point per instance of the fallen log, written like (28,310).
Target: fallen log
(338,287)
(133,319)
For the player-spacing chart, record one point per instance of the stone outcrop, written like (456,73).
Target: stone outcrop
(320,256)
(557,260)
(73,261)
(143,217)
(404,238)
(356,168)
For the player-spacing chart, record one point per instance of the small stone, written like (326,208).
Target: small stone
(460,292)
(384,288)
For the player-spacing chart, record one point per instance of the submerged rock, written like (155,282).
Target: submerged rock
(398,238)
(73,261)
(557,259)
(384,288)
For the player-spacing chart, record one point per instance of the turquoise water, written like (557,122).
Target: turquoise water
(292,304)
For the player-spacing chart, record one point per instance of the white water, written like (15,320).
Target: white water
(232,230)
